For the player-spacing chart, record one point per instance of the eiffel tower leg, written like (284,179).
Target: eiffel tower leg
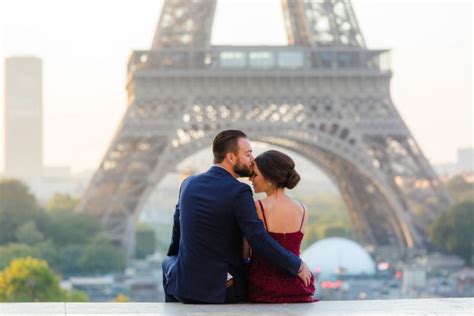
(121,179)
(185,23)
(412,180)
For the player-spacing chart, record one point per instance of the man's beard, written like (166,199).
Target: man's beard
(241,170)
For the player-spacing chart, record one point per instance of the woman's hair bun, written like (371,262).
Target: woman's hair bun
(292,180)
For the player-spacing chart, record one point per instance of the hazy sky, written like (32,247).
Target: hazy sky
(85,44)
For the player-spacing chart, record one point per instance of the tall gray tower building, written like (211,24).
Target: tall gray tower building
(23,117)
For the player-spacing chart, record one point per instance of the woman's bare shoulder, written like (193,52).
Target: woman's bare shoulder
(298,205)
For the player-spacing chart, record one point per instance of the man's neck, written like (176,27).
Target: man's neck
(227,168)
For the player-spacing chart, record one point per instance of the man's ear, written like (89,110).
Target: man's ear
(230,157)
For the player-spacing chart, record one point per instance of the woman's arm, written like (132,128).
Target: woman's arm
(246,250)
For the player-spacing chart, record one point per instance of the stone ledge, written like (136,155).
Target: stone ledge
(432,306)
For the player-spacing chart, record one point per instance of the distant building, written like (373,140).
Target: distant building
(24,132)
(335,255)
(465,161)
(97,288)
(44,188)
(23,117)
(464,280)
(414,280)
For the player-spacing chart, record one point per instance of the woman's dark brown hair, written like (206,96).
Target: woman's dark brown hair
(279,168)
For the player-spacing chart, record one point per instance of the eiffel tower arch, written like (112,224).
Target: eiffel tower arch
(325,95)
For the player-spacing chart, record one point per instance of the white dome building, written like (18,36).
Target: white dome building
(330,255)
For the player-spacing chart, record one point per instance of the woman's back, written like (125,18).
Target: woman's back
(284,219)
(282,214)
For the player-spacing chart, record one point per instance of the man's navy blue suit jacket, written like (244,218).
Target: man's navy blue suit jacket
(213,214)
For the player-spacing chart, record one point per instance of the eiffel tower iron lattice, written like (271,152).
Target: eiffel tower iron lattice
(325,96)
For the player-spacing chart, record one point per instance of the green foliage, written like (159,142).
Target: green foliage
(15,195)
(68,228)
(43,250)
(48,251)
(29,280)
(460,190)
(121,298)
(12,251)
(28,233)
(454,231)
(310,236)
(97,257)
(76,296)
(61,203)
(326,213)
(68,241)
(70,262)
(145,241)
(17,206)
(337,231)
(100,256)
(163,233)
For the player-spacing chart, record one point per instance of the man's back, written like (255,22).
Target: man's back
(210,239)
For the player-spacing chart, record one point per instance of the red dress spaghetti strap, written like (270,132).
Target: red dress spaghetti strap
(267,284)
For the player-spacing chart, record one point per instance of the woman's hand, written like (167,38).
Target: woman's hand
(305,274)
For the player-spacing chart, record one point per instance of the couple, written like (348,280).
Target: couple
(226,248)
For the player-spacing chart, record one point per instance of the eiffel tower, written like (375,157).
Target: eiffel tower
(325,95)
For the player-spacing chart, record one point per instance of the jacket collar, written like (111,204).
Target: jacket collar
(220,171)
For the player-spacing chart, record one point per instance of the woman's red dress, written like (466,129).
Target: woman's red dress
(267,284)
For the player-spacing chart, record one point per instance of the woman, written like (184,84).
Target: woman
(284,219)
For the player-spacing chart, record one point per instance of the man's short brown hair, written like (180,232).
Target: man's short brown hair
(226,142)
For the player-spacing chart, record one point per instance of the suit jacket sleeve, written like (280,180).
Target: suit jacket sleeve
(258,238)
(174,246)
(176,233)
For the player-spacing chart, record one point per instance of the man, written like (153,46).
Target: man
(213,214)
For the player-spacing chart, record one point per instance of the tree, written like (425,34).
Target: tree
(17,206)
(28,233)
(14,194)
(453,230)
(29,280)
(69,260)
(68,228)
(145,241)
(337,231)
(12,251)
(48,251)
(326,211)
(100,256)
(76,296)
(460,189)
(61,202)
(310,236)
(121,298)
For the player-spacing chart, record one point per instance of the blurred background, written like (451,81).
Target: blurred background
(73,83)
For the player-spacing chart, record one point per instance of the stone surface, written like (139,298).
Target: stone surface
(441,306)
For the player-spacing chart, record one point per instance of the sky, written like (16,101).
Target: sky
(85,44)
